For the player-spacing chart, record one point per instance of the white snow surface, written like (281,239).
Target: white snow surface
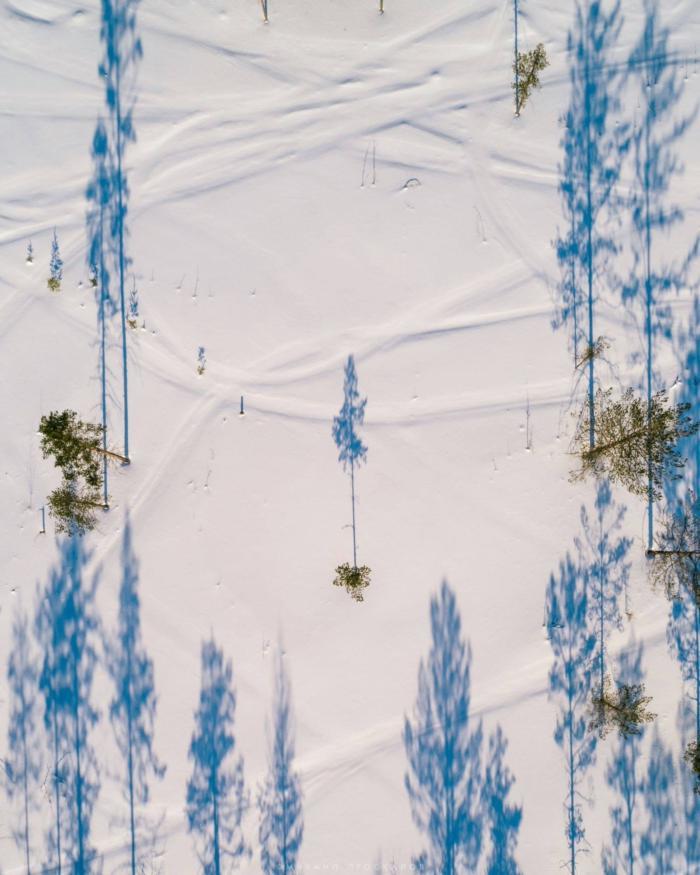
(270,221)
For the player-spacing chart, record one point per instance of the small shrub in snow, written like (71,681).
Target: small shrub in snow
(675,565)
(133,316)
(55,266)
(354,579)
(624,709)
(527,71)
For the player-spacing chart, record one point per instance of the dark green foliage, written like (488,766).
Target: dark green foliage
(624,709)
(353,578)
(634,441)
(675,565)
(73,508)
(75,446)
(692,757)
(527,71)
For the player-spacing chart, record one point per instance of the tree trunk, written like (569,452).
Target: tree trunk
(597,451)
(110,455)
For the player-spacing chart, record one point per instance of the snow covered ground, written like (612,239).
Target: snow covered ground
(335,182)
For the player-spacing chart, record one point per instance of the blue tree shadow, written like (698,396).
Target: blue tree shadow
(67,627)
(659,841)
(623,776)
(216,796)
(604,562)
(23,762)
(445,782)
(573,646)
(280,800)
(108,192)
(657,131)
(690,800)
(683,630)
(133,708)
(504,818)
(593,147)
(99,195)
(352,452)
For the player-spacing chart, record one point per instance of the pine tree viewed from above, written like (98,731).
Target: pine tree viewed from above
(350,493)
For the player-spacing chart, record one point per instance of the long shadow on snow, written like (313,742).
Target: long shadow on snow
(108,191)
(657,131)
(655,137)
(623,776)
(99,195)
(67,627)
(280,799)
(659,845)
(570,682)
(683,630)
(133,711)
(217,799)
(23,762)
(594,147)
(604,564)
(452,798)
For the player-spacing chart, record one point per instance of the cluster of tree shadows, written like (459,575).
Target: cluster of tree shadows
(459,784)
(52,771)
(642,442)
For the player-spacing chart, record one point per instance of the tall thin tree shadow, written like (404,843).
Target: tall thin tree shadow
(445,781)
(133,709)
(657,132)
(594,147)
(623,776)
(216,795)
(604,562)
(689,799)
(99,196)
(122,52)
(67,627)
(659,841)
(573,646)
(23,763)
(504,817)
(280,800)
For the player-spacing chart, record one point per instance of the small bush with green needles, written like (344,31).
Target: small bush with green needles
(354,579)
(527,71)
(623,708)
